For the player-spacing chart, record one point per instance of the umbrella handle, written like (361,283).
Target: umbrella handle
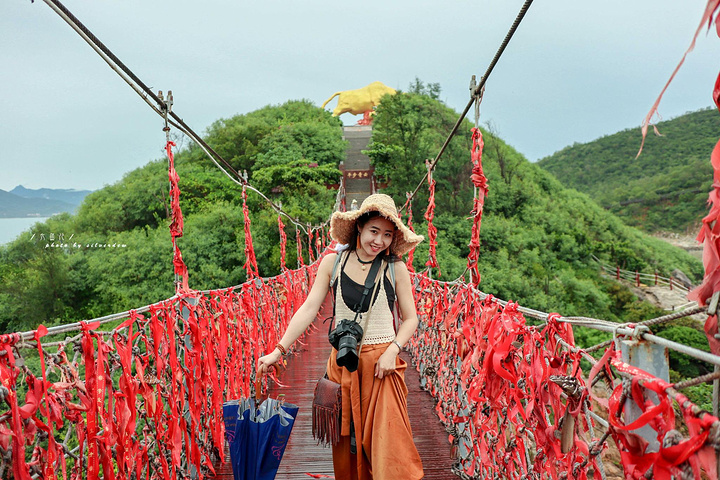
(278,367)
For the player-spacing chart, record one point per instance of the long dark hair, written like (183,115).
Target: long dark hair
(360,223)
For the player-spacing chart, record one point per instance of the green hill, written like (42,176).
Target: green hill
(665,189)
(117,254)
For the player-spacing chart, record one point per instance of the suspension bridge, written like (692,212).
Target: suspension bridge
(497,389)
(491,396)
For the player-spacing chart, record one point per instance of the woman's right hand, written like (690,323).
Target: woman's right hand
(273,359)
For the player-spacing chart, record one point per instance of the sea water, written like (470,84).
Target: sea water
(11,228)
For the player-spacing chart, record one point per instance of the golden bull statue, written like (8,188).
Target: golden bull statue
(362,100)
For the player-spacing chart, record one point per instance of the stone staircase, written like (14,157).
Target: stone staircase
(357,173)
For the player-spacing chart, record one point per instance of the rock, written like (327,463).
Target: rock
(681,278)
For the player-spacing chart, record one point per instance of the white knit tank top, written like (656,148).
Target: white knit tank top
(379,327)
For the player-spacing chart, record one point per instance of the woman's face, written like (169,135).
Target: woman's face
(376,235)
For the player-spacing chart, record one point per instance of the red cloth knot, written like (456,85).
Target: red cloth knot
(9,339)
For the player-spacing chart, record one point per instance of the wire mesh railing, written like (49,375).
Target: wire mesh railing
(516,403)
(144,399)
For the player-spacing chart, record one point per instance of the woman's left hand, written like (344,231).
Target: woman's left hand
(386,363)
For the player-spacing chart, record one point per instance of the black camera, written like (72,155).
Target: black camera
(345,339)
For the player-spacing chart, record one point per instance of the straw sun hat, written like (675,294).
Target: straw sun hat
(343,224)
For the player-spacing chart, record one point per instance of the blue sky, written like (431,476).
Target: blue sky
(574,71)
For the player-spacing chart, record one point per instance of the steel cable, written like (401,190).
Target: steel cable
(144,91)
(476,93)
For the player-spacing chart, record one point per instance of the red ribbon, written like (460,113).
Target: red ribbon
(707,19)
(298,242)
(251,267)
(311,256)
(480,181)
(125,400)
(91,404)
(8,378)
(411,254)
(660,416)
(710,231)
(283,243)
(432,231)
(176,226)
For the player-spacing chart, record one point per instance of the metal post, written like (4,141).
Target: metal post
(716,394)
(617,273)
(637,279)
(656,278)
(653,359)
(671,282)
(716,410)
(192,472)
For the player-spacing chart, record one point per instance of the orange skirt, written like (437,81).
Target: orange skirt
(378,408)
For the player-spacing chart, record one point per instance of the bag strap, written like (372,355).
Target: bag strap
(370,283)
(372,276)
(395,309)
(333,276)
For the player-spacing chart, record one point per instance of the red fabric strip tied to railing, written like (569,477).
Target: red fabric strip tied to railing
(311,255)
(298,242)
(432,231)
(13,437)
(411,254)
(251,267)
(176,225)
(480,181)
(709,235)
(283,244)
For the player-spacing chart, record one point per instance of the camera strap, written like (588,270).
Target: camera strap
(370,282)
(374,278)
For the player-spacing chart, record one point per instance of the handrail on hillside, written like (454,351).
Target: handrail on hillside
(635,276)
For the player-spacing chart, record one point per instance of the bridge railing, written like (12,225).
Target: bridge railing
(517,404)
(143,399)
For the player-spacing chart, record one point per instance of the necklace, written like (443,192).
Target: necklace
(363,263)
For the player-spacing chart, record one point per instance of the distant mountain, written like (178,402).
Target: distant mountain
(665,189)
(71,196)
(23,202)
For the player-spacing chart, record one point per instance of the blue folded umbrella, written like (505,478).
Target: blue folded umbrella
(257,435)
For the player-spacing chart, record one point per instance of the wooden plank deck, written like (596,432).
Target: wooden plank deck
(304,456)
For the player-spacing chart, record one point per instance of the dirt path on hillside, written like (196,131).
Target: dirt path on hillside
(686,242)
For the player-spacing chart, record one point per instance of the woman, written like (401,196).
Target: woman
(374,397)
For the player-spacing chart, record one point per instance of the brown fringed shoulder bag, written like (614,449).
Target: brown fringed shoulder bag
(326,412)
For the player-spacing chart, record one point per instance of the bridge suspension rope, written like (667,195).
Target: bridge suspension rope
(160,107)
(476,93)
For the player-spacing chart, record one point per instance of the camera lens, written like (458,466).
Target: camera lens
(347,353)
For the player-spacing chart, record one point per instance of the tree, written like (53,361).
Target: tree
(508,163)
(410,128)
